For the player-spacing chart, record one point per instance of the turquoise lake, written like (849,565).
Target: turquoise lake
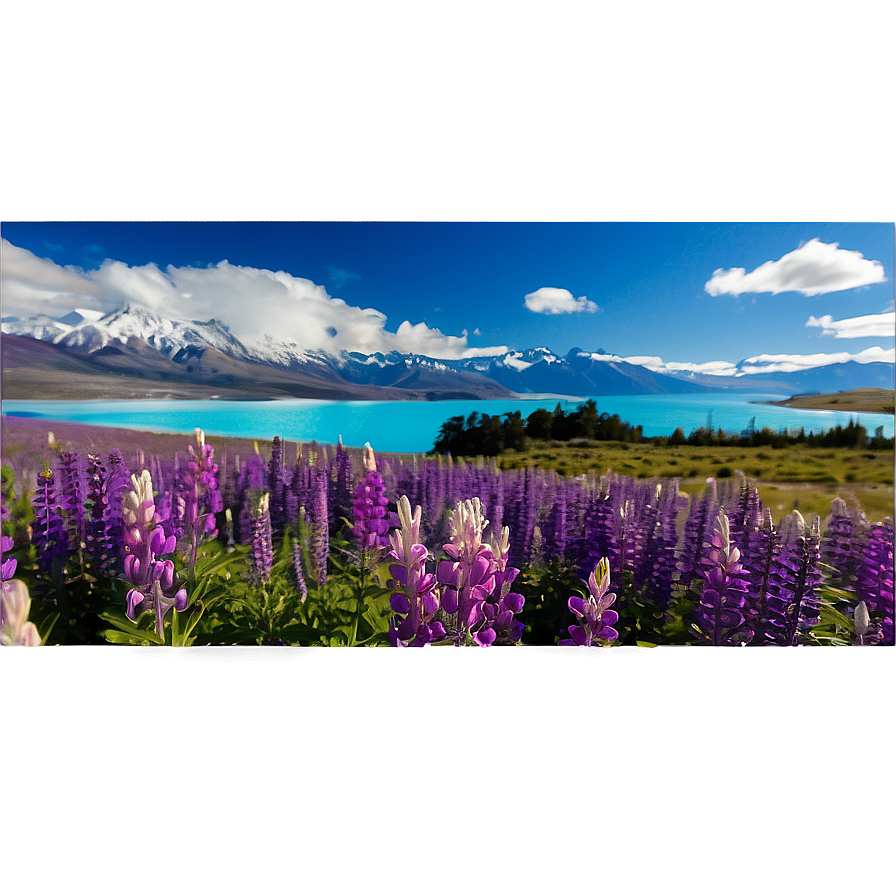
(409,426)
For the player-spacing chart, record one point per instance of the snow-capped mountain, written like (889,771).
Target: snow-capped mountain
(132,341)
(165,335)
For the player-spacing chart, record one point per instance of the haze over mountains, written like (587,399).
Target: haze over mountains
(132,353)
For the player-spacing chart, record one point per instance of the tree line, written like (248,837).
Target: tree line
(490,435)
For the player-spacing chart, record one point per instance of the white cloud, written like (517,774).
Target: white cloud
(813,269)
(658,365)
(789,363)
(855,327)
(253,302)
(759,364)
(551,300)
(33,285)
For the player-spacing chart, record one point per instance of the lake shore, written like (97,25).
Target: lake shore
(860,401)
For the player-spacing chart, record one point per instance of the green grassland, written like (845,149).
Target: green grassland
(790,477)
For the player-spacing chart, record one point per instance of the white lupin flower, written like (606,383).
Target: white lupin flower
(369,458)
(467,523)
(15,604)
(404,538)
(862,619)
(139,505)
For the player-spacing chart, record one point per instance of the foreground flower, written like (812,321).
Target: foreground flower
(502,605)
(875,577)
(197,490)
(593,612)
(371,525)
(261,553)
(155,588)
(793,581)
(320,526)
(8,565)
(47,532)
(15,604)
(720,612)
(866,631)
(414,598)
(468,577)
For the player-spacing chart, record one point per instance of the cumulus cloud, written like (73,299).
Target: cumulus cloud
(256,304)
(855,327)
(759,364)
(658,365)
(551,300)
(789,363)
(813,269)
(34,285)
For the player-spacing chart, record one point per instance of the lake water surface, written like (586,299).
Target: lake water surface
(412,426)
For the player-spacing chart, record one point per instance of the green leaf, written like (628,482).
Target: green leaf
(48,625)
(113,636)
(130,627)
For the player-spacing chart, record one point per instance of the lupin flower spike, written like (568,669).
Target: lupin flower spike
(595,616)
(155,587)
(414,600)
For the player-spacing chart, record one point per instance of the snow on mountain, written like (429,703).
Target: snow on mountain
(79,315)
(535,370)
(84,331)
(39,327)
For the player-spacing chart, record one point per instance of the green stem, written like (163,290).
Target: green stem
(359,603)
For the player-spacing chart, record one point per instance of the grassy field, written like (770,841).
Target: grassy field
(794,477)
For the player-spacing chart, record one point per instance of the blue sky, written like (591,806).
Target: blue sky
(635,290)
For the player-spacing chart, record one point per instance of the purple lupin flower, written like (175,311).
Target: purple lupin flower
(414,600)
(301,585)
(277,487)
(261,552)
(840,547)
(370,508)
(8,565)
(697,531)
(762,545)
(70,498)
(601,536)
(502,605)
(199,498)
(746,518)
(662,548)
(874,583)
(468,577)
(155,588)
(47,530)
(320,526)
(596,619)
(555,526)
(117,482)
(95,544)
(342,493)
(720,612)
(792,602)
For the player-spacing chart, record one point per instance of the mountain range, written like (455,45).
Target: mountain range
(132,353)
